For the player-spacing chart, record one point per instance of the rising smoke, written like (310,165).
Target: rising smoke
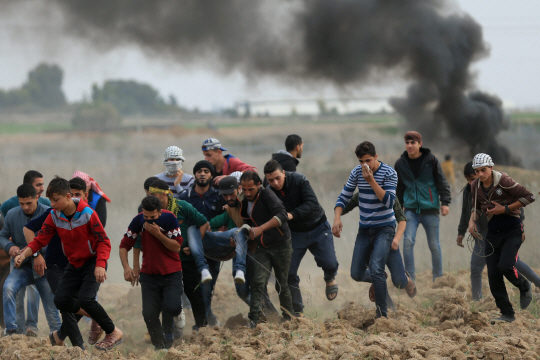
(345,43)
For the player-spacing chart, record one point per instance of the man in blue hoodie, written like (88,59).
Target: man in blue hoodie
(424,192)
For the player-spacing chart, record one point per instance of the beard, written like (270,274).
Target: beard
(233,203)
(202,183)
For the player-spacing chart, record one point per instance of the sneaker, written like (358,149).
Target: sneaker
(503,319)
(180,320)
(10,332)
(244,227)
(526,297)
(205,276)
(410,288)
(239,277)
(31,332)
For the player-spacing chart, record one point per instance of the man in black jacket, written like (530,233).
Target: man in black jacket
(423,191)
(266,215)
(309,228)
(288,158)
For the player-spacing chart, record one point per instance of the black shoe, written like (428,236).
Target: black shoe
(503,318)
(526,297)
(10,332)
(252,324)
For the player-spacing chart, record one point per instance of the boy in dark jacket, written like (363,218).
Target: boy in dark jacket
(422,189)
(266,215)
(309,228)
(478,258)
(499,197)
(87,248)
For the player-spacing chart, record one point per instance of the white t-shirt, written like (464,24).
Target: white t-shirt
(186,182)
(250,207)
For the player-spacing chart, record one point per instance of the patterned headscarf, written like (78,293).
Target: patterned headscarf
(172,206)
(91,184)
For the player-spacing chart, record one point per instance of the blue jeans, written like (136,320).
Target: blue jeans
(397,271)
(29,322)
(430,222)
(20,278)
(217,245)
(371,248)
(320,242)
(478,262)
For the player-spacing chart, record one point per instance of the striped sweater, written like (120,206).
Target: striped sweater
(373,212)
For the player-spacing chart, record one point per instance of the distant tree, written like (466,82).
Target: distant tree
(44,85)
(130,97)
(96,116)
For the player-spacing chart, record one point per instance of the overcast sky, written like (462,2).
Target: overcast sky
(510,28)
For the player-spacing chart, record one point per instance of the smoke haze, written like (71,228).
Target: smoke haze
(304,43)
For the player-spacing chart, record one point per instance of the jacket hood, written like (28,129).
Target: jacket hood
(423,150)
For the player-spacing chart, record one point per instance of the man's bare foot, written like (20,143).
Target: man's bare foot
(331,290)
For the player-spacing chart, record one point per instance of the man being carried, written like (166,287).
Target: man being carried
(161,271)
(309,229)
(499,197)
(87,248)
(173,175)
(217,245)
(224,164)
(422,189)
(376,183)
(262,210)
(12,240)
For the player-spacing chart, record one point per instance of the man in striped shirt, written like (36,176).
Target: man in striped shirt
(376,183)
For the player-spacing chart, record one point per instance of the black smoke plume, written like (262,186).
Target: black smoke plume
(346,43)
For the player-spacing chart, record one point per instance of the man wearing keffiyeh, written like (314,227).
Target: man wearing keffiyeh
(95,197)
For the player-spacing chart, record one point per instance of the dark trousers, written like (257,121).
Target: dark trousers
(161,294)
(244,290)
(214,267)
(192,287)
(69,327)
(320,242)
(82,280)
(279,258)
(502,251)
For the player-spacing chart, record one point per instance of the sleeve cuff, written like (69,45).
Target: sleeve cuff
(445,203)
(101,263)
(279,220)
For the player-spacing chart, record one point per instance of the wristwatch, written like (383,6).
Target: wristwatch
(35,255)
(507,209)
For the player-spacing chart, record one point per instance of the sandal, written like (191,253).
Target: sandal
(53,340)
(95,333)
(330,290)
(110,341)
(371,292)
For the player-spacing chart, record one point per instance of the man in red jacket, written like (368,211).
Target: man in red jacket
(224,164)
(87,248)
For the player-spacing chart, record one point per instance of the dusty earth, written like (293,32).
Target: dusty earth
(441,322)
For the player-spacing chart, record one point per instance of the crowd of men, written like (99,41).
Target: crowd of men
(187,225)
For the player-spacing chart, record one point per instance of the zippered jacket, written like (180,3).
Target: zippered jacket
(82,238)
(426,193)
(267,206)
(300,200)
(504,191)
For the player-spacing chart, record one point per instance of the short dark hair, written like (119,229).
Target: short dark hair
(272,166)
(447,157)
(77,183)
(365,148)
(250,176)
(292,141)
(26,191)
(151,203)
(30,176)
(149,181)
(58,186)
(160,184)
(468,169)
